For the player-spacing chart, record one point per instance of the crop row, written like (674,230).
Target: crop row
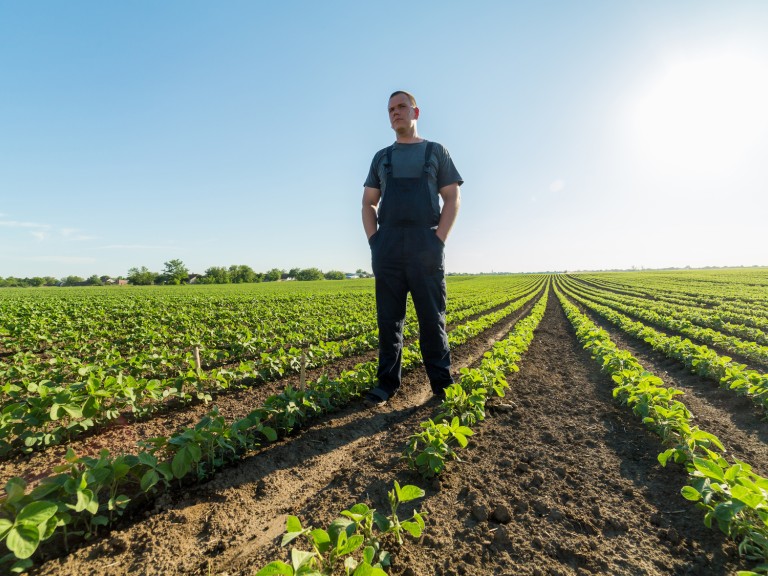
(733,292)
(733,496)
(670,321)
(698,358)
(745,326)
(429,450)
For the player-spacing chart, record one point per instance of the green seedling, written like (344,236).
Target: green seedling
(352,542)
(428,451)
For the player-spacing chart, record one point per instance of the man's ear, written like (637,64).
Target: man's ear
(415,112)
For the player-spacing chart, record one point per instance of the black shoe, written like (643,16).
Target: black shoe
(440,394)
(375,398)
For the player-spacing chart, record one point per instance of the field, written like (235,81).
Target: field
(178,430)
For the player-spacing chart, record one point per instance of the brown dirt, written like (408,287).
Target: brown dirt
(563,482)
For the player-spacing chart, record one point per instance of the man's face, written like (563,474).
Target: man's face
(402,116)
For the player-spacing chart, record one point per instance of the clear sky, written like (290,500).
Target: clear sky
(590,134)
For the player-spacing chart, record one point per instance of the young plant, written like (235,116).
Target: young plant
(28,524)
(468,406)
(428,451)
(345,537)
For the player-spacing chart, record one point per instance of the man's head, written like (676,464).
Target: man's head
(410,96)
(403,112)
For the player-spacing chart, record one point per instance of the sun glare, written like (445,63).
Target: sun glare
(702,117)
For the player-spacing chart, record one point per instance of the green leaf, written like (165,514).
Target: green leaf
(84,498)
(23,540)
(461,439)
(5,526)
(120,501)
(690,493)
(664,456)
(47,529)
(14,489)
(293,524)
(352,544)
(321,539)
(149,479)
(276,569)
(36,513)
(369,553)
(747,496)
(709,469)
(120,469)
(300,558)
(21,566)
(147,459)
(73,410)
(99,521)
(413,528)
(408,493)
(340,526)
(385,559)
(365,569)
(181,464)
(293,529)
(165,469)
(93,505)
(382,522)
(91,407)
(270,433)
(361,509)
(55,412)
(70,456)
(195,452)
(725,511)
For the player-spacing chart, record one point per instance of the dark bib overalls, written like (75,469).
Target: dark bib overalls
(407,256)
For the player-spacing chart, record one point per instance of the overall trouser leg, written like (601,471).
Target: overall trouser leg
(391,298)
(426,280)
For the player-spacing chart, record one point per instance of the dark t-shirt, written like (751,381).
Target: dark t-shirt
(408,162)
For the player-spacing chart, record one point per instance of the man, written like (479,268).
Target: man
(407,230)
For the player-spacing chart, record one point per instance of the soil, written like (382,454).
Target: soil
(558,480)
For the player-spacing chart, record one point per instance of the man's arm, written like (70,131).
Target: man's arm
(371,197)
(451,196)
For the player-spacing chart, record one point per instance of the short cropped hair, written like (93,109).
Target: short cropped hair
(410,96)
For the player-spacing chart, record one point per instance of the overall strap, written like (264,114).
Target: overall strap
(388,163)
(428,155)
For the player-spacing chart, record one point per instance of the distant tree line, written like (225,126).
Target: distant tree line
(176,272)
(35,281)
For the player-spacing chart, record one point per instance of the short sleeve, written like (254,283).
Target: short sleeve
(373,180)
(447,173)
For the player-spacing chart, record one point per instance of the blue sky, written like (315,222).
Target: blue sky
(590,134)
